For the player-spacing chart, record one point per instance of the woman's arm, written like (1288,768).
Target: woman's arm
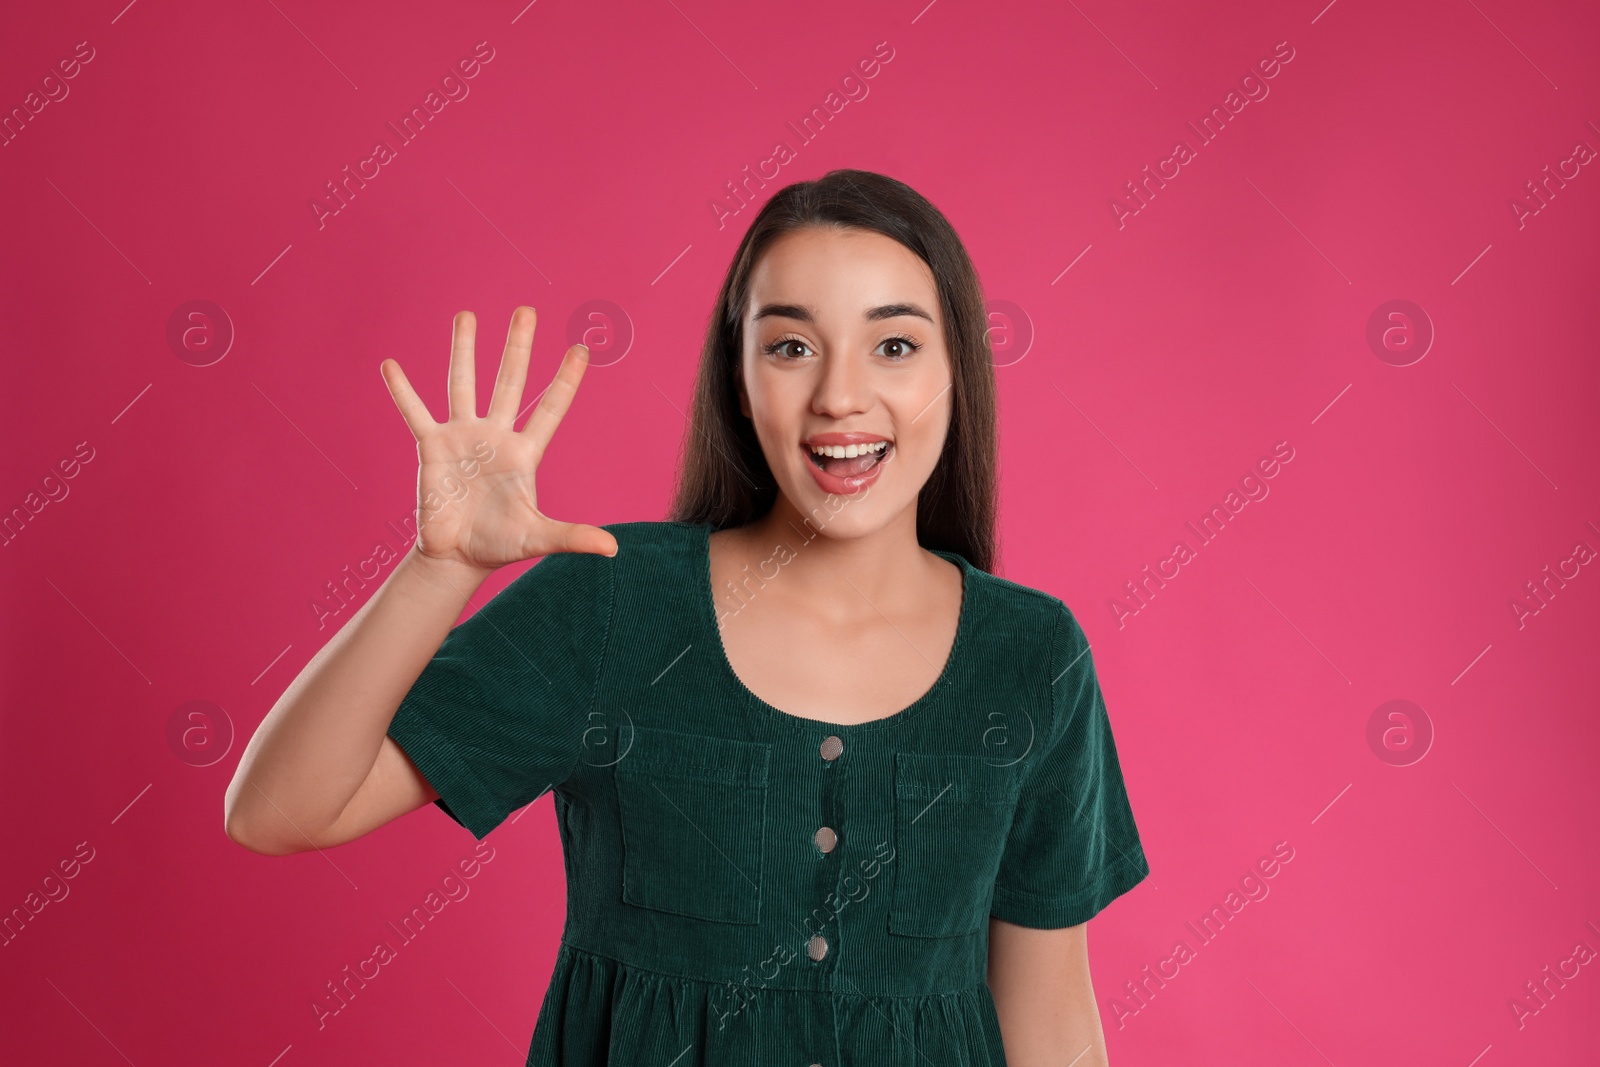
(321,769)
(1040,982)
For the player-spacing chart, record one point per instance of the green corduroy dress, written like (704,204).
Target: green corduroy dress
(748,888)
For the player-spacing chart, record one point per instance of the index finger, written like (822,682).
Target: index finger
(556,398)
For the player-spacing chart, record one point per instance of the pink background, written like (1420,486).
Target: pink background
(1138,387)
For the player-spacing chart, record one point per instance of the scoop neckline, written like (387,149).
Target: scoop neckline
(708,607)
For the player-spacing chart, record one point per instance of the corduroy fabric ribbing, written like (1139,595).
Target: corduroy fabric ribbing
(497,715)
(689,809)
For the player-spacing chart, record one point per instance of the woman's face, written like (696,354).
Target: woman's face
(844,347)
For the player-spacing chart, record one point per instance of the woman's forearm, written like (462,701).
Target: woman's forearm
(316,746)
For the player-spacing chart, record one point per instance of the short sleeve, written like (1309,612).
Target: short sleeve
(1073,846)
(498,715)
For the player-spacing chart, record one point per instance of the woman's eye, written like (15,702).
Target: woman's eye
(780,347)
(899,348)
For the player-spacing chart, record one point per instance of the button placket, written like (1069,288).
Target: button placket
(826,839)
(820,945)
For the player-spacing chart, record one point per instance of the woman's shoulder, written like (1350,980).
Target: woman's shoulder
(1015,598)
(643,550)
(650,536)
(651,551)
(1018,629)
(652,530)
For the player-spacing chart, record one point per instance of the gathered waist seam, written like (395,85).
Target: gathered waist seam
(568,946)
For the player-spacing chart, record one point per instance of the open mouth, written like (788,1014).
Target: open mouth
(848,461)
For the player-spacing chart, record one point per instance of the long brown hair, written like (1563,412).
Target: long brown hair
(724,478)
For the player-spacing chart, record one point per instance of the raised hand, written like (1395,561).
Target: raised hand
(476,500)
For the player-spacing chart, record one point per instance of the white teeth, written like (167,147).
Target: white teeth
(849,451)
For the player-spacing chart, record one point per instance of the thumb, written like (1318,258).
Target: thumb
(579,537)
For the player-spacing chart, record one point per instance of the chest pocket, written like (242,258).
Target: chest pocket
(952,814)
(693,812)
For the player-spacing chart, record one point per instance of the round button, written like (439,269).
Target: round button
(826,839)
(817,947)
(831,748)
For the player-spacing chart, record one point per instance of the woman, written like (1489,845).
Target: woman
(829,792)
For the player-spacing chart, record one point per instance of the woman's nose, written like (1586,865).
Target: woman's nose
(841,387)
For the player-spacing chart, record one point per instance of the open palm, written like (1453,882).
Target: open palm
(477,503)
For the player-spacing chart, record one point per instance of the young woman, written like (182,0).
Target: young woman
(829,791)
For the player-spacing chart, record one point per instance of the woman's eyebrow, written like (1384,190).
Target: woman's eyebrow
(894,311)
(802,313)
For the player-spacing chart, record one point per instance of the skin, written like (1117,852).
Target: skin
(1043,996)
(321,770)
(860,594)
